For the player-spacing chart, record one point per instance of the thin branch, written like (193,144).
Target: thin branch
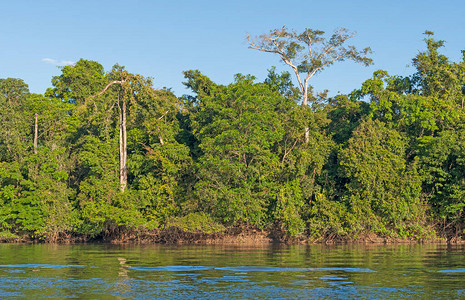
(325,64)
(289,151)
(333,47)
(166,112)
(310,47)
(120,82)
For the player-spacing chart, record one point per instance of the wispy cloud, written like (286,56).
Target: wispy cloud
(50,61)
(67,62)
(58,63)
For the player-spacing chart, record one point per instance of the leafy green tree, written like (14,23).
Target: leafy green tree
(135,91)
(438,77)
(392,101)
(33,180)
(282,84)
(122,116)
(345,114)
(442,167)
(158,160)
(14,118)
(384,192)
(102,206)
(78,82)
(302,162)
(236,130)
(256,167)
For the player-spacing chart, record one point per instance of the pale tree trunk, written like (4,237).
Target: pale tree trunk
(304,104)
(304,88)
(123,151)
(36,132)
(123,171)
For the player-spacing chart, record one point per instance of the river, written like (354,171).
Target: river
(102,271)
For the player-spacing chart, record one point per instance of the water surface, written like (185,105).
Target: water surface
(100,271)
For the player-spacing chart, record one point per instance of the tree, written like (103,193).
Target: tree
(14,119)
(383,189)
(130,85)
(77,83)
(237,129)
(136,91)
(442,159)
(437,76)
(309,52)
(33,187)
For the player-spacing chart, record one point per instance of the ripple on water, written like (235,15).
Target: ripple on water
(276,269)
(171,268)
(259,269)
(241,269)
(452,271)
(42,266)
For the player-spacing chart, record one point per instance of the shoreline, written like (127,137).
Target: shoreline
(234,236)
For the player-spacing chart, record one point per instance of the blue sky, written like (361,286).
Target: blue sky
(161,39)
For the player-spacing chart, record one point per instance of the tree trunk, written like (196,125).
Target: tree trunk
(304,104)
(123,169)
(36,132)
(307,134)
(123,172)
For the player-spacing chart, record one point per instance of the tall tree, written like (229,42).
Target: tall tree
(309,53)
(131,89)
(77,83)
(124,94)
(437,76)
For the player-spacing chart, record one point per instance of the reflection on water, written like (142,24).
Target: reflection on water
(220,272)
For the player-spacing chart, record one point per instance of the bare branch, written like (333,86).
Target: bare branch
(343,39)
(286,152)
(120,82)
(302,54)
(166,112)
(310,46)
(310,75)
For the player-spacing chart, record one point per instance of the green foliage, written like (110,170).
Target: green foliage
(78,82)
(345,115)
(282,84)
(102,207)
(387,159)
(381,187)
(436,76)
(443,165)
(195,222)
(289,203)
(35,195)
(328,219)
(14,117)
(238,165)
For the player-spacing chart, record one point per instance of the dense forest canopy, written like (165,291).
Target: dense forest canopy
(103,152)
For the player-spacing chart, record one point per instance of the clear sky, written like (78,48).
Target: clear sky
(161,39)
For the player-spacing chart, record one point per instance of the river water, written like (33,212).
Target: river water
(100,271)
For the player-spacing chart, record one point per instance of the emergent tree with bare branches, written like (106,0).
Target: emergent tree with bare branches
(132,88)
(309,52)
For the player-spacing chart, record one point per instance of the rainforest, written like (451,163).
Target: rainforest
(103,155)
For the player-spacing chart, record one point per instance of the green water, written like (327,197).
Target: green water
(226,272)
